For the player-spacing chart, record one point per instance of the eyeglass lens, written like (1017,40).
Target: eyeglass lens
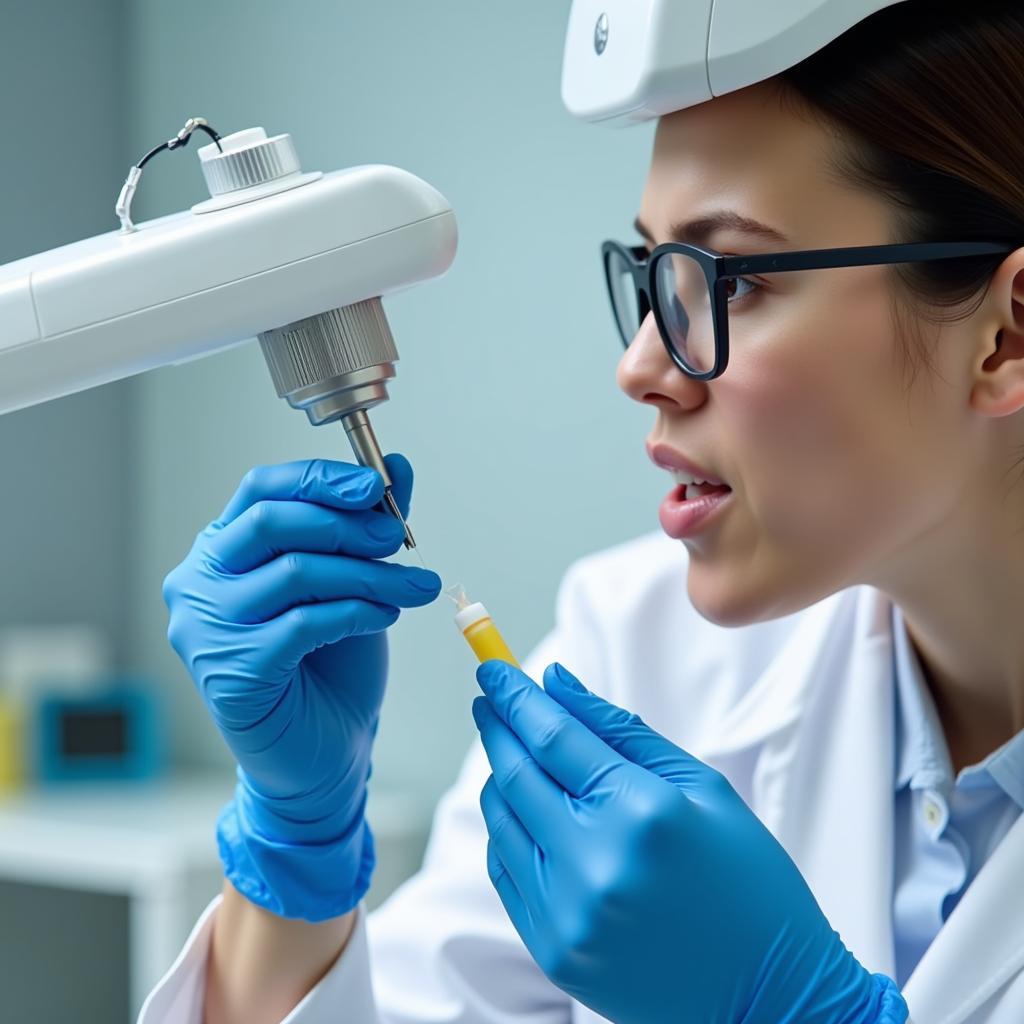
(684,304)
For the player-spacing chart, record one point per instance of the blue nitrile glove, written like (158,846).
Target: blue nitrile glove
(279,612)
(641,882)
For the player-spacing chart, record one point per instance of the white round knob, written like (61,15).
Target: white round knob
(247,158)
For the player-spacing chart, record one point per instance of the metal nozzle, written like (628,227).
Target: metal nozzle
(367,451)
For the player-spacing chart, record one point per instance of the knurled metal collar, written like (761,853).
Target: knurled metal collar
(311,354)
(249,158)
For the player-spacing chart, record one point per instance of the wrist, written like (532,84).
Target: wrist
(260,965)
(320,814)
(307,870)
(830,984)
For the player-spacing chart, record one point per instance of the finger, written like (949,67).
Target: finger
(563,746)
(271,528)
(623,731)
(300,578)
(538,802)
(400,471)
(518,852)
(509,896)
(301,630)
(335,484)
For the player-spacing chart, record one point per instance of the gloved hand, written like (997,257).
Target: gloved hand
(641,882)
(279,612)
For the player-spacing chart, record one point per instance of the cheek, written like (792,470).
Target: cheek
(814,410)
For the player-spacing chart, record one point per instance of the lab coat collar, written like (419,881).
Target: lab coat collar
(819,725)
(776,700)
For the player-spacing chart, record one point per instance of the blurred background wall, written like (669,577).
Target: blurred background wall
(527,455)
(68,505)
(69,485)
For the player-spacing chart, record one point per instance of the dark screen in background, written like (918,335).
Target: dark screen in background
(90,733)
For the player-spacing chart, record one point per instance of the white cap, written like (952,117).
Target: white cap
(469,615)
(247,158)
(248,165)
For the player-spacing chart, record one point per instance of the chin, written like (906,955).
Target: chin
(726,605)
(732,599)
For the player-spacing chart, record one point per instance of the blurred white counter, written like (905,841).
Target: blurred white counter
(154,843)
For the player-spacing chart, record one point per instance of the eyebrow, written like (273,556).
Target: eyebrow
(697,231)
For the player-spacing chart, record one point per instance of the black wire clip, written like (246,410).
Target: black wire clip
(124,200)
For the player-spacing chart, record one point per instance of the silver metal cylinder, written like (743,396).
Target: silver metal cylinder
(260,161)
(334,363)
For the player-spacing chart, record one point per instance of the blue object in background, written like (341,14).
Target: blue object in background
(115,733)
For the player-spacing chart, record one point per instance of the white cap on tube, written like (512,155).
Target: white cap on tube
(469,615)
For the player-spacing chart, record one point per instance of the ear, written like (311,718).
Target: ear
(999,366)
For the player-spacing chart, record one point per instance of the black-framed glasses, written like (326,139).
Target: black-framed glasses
(689,289)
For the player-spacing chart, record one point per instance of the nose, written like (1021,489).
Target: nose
(647,373)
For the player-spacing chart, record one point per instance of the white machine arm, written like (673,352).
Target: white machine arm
(237,265)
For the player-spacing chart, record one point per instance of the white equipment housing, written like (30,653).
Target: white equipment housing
(193,283)
(632,60)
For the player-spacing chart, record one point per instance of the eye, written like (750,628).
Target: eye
(737,288)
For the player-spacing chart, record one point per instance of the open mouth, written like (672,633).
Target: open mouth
(688,492)
(688,508)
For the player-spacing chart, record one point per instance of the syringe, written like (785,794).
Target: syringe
(478,628)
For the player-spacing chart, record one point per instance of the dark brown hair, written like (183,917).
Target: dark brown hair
(927,99)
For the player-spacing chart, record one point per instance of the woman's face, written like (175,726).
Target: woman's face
(844,467)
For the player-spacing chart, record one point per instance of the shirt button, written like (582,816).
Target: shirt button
(932,813)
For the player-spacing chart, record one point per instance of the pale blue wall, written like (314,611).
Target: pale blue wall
(66,496)
(66,507)
(527,454)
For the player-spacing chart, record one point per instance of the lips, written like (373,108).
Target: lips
(684,518)
(668,458)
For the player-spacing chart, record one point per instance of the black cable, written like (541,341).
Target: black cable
(152,153)
(123,207)
(177,143)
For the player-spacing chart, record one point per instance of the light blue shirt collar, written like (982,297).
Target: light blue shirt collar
(922,755)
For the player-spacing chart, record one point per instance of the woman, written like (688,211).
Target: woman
(842,666)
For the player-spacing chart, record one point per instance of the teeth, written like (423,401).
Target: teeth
(682,477)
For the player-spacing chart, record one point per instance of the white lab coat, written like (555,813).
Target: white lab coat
(797,712)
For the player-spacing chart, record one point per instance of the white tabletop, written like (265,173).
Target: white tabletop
(120,836)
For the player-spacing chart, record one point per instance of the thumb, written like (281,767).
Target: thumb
(623,731)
